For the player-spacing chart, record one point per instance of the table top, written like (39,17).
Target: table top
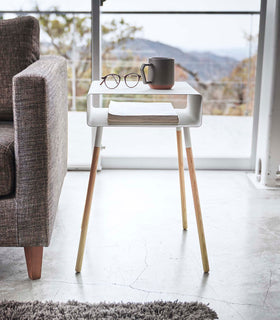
(179,88)
(188,117)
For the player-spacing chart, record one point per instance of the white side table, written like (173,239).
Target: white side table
(189,117)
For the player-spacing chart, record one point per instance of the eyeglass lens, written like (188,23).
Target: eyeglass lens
(112,81)
(131,79)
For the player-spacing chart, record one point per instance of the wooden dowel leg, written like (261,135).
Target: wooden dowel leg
(197,210)
(182,178)
(86,215)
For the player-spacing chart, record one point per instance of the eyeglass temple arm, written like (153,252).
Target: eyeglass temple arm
(103,80)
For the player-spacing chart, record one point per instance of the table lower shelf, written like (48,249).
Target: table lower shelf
(98,117)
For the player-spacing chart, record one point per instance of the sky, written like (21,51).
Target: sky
(223,34)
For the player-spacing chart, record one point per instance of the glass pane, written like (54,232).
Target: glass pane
(69,36)
(216,54)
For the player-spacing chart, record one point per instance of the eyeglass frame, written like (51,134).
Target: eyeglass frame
(119,77)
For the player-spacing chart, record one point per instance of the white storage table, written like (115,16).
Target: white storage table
(190,116)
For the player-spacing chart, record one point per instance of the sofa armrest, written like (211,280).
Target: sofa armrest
(40,121)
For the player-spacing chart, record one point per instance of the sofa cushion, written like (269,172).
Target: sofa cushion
(19,47)
(7,158)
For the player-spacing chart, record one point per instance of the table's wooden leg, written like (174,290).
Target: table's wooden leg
(196,201)
(87,208)
(182,178)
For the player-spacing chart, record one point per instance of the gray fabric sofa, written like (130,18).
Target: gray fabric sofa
(33,139)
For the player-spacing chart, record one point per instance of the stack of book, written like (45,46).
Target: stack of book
(141,113)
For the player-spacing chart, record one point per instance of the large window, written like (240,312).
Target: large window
(215,51)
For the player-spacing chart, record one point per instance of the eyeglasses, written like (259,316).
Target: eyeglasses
(112,80)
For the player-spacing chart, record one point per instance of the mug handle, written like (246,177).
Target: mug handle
(143,73)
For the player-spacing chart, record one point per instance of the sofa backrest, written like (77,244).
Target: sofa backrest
(19,47)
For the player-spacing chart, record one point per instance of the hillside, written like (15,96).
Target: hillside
(209,66)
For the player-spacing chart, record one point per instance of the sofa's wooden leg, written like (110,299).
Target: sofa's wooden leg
(34,257)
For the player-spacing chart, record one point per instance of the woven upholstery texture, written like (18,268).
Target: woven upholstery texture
(19,47)
(8,222)
(7,158)
(40,121)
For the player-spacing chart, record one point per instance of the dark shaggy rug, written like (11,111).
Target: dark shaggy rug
(72,310)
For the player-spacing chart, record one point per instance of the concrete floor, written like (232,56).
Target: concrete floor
(137,251)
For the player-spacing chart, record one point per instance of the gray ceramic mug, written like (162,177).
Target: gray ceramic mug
(160,73)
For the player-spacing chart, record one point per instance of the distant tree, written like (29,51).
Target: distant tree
(116,33)
(70,37)
(66,31)
(239,86)
(234,94)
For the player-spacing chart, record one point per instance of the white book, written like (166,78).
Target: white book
(142,113)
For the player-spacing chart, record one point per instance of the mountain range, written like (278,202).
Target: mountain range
(207,65)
